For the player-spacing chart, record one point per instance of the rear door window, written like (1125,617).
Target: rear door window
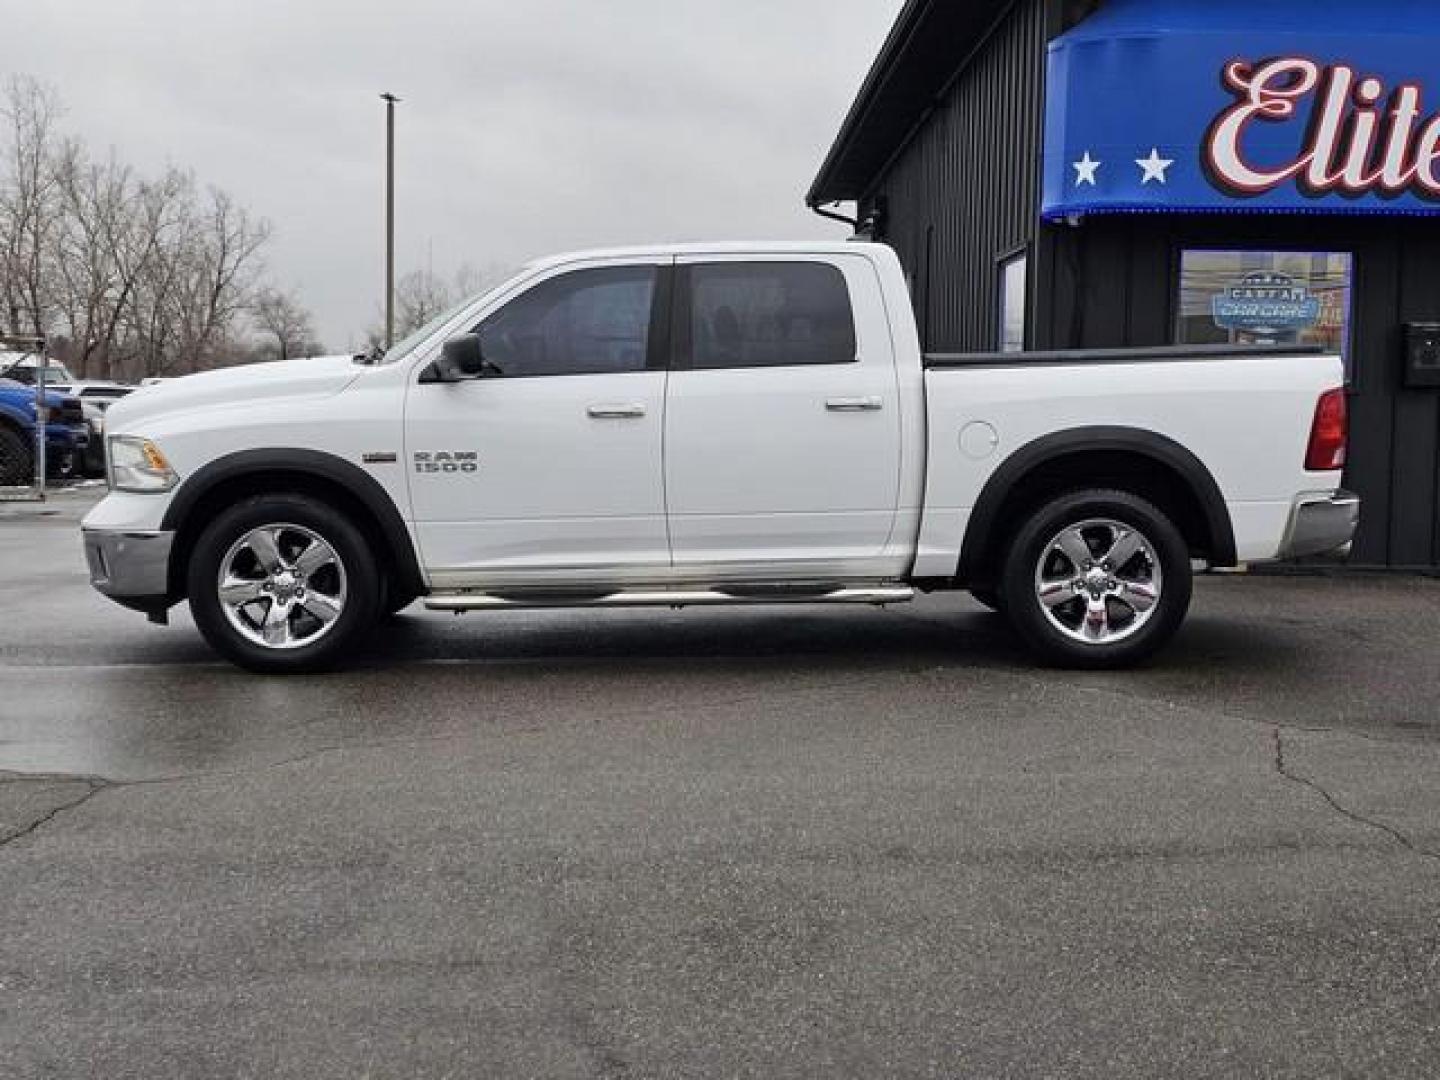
(767,314)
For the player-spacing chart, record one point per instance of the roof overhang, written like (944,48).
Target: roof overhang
(930,42)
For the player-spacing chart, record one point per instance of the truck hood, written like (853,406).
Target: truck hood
(22,396)
(290,379)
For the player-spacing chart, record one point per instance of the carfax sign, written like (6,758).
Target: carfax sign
(1266,303)
(1231,105)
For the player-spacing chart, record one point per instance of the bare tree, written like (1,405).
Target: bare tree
(421,296)
(96,198)
(281,315)
(229,241)
(28,203)
(128,276)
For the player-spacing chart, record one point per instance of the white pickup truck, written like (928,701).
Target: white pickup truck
(716,424)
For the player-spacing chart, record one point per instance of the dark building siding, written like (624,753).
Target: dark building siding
(1115,281)
(963,192)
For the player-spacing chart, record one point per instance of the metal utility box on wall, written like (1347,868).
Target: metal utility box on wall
(1422,355)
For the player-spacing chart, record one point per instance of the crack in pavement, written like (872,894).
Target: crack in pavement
(97,784)
(1284,770)
(93,787)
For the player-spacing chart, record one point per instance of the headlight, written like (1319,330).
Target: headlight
(138,465)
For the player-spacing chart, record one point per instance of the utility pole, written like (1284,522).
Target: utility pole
(390,102)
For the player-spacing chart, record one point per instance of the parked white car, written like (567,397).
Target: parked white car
(724,424)
(95,396)
(25,368)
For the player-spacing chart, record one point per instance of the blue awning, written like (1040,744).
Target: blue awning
(1283,106)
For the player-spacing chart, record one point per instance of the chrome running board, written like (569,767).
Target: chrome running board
(657,598)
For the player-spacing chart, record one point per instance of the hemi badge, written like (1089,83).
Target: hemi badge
(381,459)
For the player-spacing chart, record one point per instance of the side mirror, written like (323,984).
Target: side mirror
(461,358)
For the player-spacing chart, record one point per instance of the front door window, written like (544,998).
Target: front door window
(591,322)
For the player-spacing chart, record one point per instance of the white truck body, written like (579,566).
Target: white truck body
(669,479)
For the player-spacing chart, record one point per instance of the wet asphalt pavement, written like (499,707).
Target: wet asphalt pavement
(754,843)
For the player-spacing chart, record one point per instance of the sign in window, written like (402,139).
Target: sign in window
(1266,298)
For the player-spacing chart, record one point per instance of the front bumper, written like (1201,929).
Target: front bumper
(66,437)
(1322,523)
(130,567)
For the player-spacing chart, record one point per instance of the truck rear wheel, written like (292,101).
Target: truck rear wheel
(283,584)
(1097,579)
(990,598)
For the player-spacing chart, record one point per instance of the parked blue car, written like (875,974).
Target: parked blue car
(66,435)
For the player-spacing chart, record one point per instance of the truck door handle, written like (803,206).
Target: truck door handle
(616,412)
(855,404)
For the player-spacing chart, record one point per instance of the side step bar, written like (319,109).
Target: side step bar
(461,602)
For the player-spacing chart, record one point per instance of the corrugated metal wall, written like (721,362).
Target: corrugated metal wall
(963,193)
(1114,281)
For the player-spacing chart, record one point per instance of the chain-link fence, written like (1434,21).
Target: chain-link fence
(33,436)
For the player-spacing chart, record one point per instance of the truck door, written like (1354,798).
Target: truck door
(551,464)
(782,429)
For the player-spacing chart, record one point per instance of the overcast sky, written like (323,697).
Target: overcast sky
(528,126)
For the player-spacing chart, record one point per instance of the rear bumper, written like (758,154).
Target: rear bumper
(132,568)
(1322,523)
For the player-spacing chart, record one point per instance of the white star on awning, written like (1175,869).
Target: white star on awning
(1085,170)
(1155,167)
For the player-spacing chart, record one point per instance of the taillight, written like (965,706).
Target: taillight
(1330,435)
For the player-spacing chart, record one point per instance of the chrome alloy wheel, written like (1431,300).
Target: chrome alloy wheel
(1099,582)
(282,586)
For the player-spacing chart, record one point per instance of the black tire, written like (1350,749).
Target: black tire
(94,460)
(17,458)
(1129,635)
(362,585)
(396,602)
(989,598)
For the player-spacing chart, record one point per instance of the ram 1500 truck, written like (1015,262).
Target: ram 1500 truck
(704,425)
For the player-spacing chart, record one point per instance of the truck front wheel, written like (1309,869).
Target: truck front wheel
(1097,579)
(283,584)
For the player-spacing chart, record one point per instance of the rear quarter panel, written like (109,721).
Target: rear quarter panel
(1247,419)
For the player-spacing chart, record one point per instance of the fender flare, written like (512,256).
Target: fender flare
(356,482)
(1148,444)
(15,417)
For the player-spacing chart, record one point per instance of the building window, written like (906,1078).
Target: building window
(1014,278)
(1266,298)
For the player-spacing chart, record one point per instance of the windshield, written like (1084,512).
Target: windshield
(415,340)
(401,348)
(25,371)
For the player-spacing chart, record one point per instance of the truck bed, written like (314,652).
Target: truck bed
(1073,357)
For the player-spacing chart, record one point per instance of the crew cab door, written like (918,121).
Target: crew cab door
(782,430)
(550,465)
